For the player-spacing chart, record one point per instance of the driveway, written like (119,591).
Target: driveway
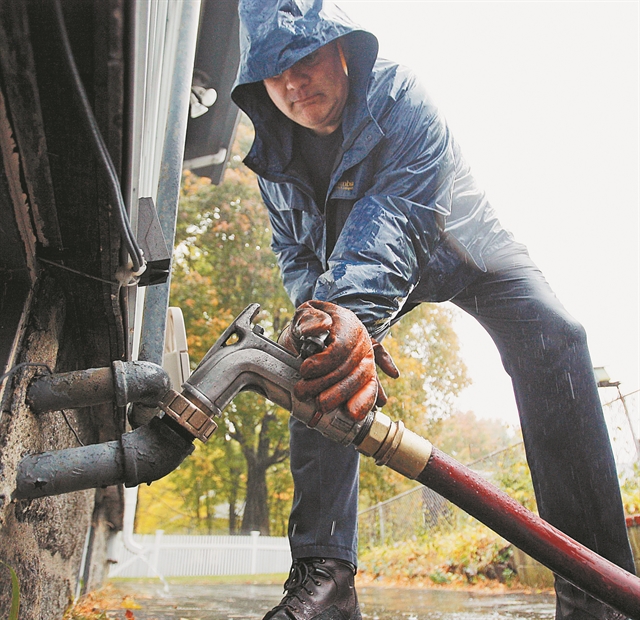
(226,602)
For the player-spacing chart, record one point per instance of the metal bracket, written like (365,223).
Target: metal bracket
(153,244)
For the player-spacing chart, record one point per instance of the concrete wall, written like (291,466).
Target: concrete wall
(43,539)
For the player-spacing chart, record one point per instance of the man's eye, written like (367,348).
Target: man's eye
(309,59)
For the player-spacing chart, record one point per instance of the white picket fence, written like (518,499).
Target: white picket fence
(163,555)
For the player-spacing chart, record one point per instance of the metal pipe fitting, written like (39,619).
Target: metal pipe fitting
(144,455)
(140,382)
(394,445)
(124,382)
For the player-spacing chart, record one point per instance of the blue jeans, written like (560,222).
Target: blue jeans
(545,352)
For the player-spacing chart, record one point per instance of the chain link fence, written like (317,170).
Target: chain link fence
(419,511)
(623,420)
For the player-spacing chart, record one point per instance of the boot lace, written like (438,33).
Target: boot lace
(302,574)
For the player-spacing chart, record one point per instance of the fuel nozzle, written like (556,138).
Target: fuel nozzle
(313,344)
(242,359)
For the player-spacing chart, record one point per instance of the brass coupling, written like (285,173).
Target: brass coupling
(391,444)
(188,415)
(394,445)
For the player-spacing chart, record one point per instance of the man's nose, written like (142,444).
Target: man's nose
(295,78)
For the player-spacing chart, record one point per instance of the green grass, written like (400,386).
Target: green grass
(15,593)
(274,578)
(468,554)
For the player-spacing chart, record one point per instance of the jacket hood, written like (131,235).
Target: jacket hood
(275,34)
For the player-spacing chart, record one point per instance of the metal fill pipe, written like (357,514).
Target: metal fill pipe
(122,383)
(144,455)
(68,390)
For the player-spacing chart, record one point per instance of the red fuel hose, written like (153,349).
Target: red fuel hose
(563,555)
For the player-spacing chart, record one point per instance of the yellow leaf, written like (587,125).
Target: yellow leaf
(129,603)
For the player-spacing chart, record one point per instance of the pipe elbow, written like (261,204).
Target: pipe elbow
(144,455)
(139,382)
(153,451)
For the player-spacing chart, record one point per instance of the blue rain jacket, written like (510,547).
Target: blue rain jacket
(417,227)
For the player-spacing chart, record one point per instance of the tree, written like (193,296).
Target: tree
(223,263)
(425,348)
(467,438)
(185,500)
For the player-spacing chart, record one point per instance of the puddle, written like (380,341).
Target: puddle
(243,602)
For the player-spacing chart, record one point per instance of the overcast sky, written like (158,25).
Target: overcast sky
(543,99)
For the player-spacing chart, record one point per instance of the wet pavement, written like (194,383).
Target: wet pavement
(227,602)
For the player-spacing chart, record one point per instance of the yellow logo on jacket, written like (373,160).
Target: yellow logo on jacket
(345,186)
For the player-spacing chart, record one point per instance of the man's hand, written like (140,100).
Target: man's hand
(345,372)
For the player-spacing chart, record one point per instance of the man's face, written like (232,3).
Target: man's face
(313,92)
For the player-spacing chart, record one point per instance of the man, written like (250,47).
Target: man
(373,211)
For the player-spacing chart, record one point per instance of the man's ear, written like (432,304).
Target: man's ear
(343,58)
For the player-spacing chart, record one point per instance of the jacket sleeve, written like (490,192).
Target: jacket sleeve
(393,229)
(299,266)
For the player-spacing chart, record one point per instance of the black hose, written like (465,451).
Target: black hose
(99,146)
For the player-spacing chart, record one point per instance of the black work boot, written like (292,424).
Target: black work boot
(318,589)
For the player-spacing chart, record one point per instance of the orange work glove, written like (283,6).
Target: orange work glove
(344,373)
(385,362)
